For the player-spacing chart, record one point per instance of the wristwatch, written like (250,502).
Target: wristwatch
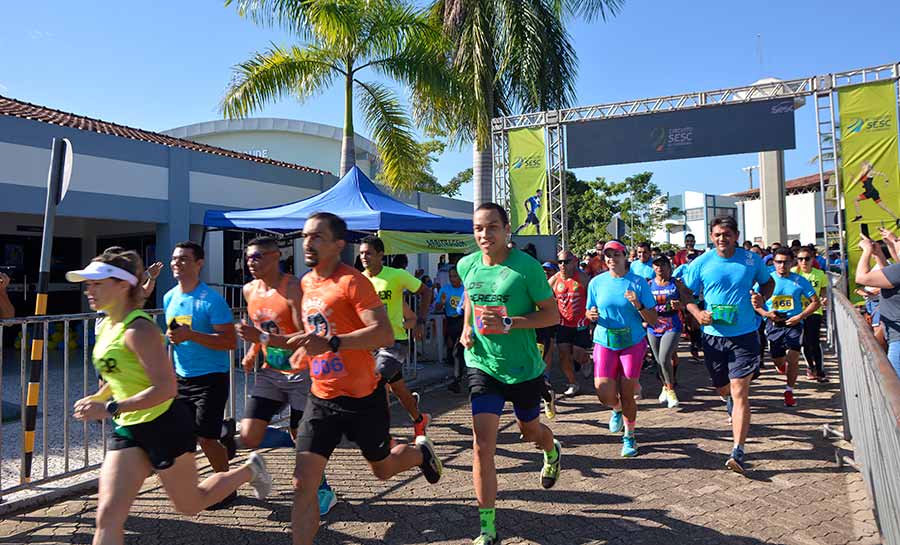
(334,343)
(264,338)
(507,324)
(112,407)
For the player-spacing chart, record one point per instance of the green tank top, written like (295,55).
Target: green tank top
(122,370)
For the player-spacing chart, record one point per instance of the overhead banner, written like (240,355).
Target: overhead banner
(528,182)
(870,173)
(703,132)
(400,242)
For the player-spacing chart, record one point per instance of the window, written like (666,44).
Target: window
(693,214)
(719,211)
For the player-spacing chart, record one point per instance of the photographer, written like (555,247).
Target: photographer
(6,308)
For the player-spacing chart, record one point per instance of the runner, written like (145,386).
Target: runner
(691,325)
(390,284)
(724,278)
(546,337)
(812,325)
(663,337)
(273,306)
(345,321)
(620,302)
(784,314)
(509,297)
(532,207)
(690,241)
(451,298)
(866,177)
(572,337)
(201,331)
(153,432)
(641,266)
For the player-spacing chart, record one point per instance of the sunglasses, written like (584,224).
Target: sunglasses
(256,256)
(563,261)
(804,258)
(780,261)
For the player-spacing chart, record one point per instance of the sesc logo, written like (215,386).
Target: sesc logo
(527,161)
(869,124)
(664,138)
(783,107)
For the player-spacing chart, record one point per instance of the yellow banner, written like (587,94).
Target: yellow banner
(870,172)
(400,242)
(528,182)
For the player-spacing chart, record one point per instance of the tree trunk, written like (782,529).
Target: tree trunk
(348,146)
(482,174)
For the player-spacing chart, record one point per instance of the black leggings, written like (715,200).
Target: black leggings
(812,349)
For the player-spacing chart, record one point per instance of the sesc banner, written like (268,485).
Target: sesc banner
(528,182)
(400,242)
(870,173)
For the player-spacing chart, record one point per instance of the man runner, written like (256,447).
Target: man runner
(451,298)
(507,297)
(784,314)
(812,325)
(724,278)
(573,337)
(690,241)
(344,321)
(273,306)
(390,283)
(201,331)
(642,266)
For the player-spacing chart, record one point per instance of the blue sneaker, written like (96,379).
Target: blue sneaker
(629,446)
(327,500)
(616,422)
(736,461)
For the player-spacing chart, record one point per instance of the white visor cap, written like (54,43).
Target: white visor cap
(101,271)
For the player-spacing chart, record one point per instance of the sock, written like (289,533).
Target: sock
(629,427)
(487,521)
(551,455)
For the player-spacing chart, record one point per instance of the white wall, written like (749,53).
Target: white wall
(804,218)
(242,193)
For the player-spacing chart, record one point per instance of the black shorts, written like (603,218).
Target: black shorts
(729,358)
(532,219)
(365,421)
(207,396)
(545,335)
(263,408)
(578,336)
(453,327)
(489,395)
(163,439)
(783,338)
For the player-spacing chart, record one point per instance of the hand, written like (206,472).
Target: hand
(793,320)
(633,299)
(420,331)
(154,270)
(865,243)
(180,334)
(772,315)
(247,332)
(249,362)
(492,320)
(888,235)
(592,314)
(4,281)
(756,299)
(88,408)
(704,317)
(467,339)
(312,344)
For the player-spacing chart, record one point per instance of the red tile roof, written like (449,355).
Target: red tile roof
(25,110)
(791,186)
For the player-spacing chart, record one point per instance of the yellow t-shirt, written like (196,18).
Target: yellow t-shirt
(390,284)
(818,280)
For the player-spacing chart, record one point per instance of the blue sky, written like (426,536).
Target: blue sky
(162,64)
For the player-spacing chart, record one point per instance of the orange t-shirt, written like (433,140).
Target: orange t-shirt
(271,313)
(331,306)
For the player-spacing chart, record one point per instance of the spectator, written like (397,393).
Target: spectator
(888,280)
(6,308)
(681,257)
(747,245)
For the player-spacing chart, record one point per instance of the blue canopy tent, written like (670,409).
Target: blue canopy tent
(355,198)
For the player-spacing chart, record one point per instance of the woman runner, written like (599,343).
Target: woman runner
(152,431)
(663,337)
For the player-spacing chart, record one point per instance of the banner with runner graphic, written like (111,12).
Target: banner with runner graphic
(870,172)
(528,182)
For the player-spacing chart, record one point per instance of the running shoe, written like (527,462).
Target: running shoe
(226,501)
(431,465)
(736,461)
(486,539)
(550,472)
(664,395)
(671,399)
(823,378)
(261,481)
(780,368)
(229,429)
(327,500)
(572,390)
(421,427)
(810,375)
(629,446)
(550,405)
(616,422)
(789,400)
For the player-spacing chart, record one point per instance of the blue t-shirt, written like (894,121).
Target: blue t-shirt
(644,270)
(200,309)
(620,325)
(667,317)
(725,285)
(533,203)
(453,304)
(789,293)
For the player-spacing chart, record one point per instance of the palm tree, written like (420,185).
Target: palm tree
(510,55)
(341,39)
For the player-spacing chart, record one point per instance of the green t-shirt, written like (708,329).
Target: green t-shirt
(516,285)
(390,284)
(817,278)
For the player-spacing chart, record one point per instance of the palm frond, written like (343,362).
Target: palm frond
(290,15)
(591,10)
(392,132)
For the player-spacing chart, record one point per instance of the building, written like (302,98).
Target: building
(141,190)
(694,212)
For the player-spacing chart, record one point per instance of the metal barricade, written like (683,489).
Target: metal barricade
(872,403)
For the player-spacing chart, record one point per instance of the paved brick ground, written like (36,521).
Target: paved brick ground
(676,491)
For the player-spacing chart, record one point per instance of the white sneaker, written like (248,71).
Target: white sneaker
(672,399)
(664,395)
(261,480)
(573,389)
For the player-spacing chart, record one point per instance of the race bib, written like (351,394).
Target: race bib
(618,338)
(723,314)
(479,323)
(183,320)
(327,366)
(782,303)
(278,358)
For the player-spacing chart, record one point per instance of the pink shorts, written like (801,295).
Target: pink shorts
(609,363)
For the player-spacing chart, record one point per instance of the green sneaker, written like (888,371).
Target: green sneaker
(550,472)
(486,539)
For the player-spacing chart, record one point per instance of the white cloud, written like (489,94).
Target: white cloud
(36,34)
